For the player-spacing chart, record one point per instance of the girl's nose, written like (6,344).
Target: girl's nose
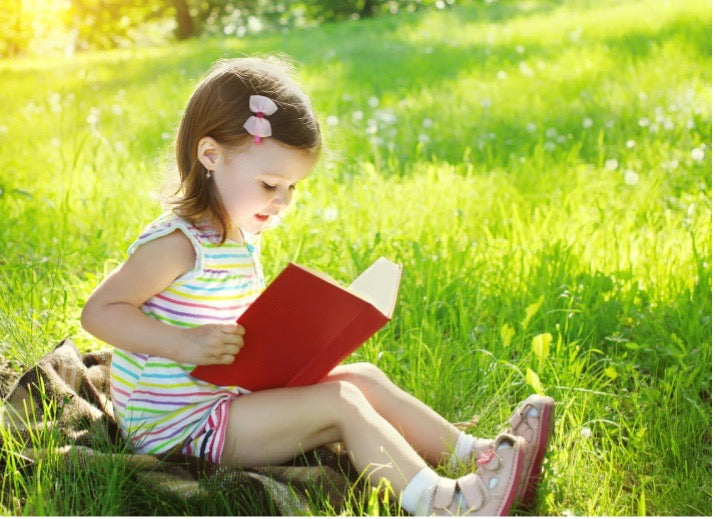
(282,198)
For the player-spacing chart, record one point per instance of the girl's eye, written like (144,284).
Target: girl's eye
(268,187)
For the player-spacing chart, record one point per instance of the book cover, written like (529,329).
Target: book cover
(304,324)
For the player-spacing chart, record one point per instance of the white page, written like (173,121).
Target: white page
(378,285)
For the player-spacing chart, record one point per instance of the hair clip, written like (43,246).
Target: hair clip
(257,125)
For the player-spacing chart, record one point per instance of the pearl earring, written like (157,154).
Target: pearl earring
(208,174)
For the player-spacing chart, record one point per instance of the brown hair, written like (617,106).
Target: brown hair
(219,107)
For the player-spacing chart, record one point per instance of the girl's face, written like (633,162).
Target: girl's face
(256,183)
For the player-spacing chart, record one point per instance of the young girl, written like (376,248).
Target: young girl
(247,138)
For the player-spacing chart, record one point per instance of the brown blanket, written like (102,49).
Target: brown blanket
(69,392)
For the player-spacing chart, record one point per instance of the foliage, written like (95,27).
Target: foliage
(45,25)
(543,174)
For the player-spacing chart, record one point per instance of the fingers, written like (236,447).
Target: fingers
(236,329)
(232,342)
(226,359)
(218,344)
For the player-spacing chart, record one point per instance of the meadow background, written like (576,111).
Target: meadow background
(542,170)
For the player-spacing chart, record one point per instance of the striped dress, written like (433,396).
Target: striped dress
(157,403)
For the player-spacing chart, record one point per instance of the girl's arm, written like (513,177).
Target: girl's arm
(112,312)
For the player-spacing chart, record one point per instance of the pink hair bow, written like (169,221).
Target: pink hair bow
(257,125)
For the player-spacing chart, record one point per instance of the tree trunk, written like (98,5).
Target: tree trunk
(367,9)
(184,24)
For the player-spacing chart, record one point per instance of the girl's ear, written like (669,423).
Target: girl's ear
(208,151)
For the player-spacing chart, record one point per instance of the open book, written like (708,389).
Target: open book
(304,324)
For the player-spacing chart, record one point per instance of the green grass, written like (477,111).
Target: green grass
(541,169)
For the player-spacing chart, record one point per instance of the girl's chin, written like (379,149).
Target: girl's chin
(257,223)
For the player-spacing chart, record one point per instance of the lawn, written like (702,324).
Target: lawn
(542,170)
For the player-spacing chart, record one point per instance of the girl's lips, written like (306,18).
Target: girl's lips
(262,217)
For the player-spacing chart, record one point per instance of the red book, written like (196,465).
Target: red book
(304,324)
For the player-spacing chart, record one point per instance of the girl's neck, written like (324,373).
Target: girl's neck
(234,234)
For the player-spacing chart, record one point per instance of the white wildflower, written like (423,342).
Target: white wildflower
(697,154)
(630,177)
(587,122)
(531,127)
(611,164)
(332,120)
(427,122)
(586,432)
(330,214)
(93,117)
(386,116)
(55,102)
(630,144)
(643,122)
(373,101)
(501,75)
(371,126)
(358,115)
(525,69)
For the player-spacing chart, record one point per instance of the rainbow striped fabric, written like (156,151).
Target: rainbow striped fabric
(157,404)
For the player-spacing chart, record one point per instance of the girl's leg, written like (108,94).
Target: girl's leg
(432,436)
(273,426)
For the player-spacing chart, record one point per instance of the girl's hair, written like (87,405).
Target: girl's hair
(219,107)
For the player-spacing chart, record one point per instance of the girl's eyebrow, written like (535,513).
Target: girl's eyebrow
(280,177)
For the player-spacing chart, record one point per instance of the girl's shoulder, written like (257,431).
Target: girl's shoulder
(174,235)
(166,224)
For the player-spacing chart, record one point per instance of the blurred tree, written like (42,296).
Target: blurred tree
(109,23)
(16,30)
(101,24)
(184,23)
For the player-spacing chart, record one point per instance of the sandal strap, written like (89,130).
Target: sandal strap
(474,491)
(520,417)
(444,493)
(489,460)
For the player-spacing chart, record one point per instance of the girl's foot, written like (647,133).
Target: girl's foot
(488,491)
(533,420)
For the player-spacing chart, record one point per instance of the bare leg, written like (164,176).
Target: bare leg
(430,434)
(273,426)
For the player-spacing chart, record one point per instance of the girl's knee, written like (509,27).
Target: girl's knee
(364,372)
(341,393)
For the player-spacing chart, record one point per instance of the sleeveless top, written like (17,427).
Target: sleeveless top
(157,403)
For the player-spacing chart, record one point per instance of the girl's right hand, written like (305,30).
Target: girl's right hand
(212,344)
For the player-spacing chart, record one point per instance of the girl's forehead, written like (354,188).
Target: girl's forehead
(282,162)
